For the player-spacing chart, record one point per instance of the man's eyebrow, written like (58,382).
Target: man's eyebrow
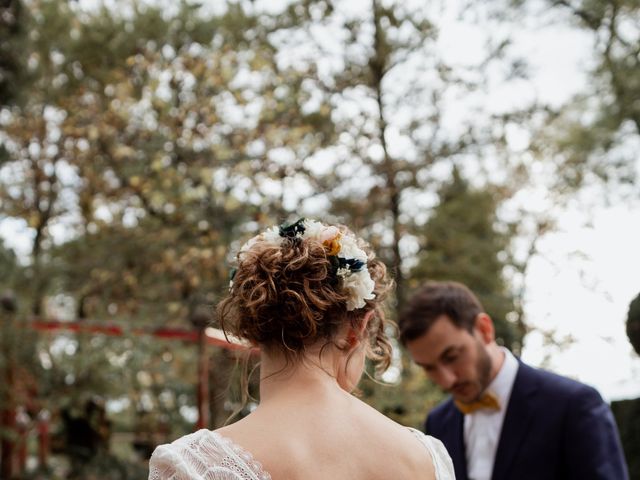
(448,351)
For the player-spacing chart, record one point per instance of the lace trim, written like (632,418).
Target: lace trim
(441,460)
(240,453)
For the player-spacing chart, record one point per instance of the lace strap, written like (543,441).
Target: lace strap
(204,455)
(442,462)
(242,457)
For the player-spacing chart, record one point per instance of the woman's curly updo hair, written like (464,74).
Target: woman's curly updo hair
(286,296)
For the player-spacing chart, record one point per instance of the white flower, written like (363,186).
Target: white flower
(249,243)
(343,272)
(360,287)
(329,234)
(272,236)
(313,229)
(349,249)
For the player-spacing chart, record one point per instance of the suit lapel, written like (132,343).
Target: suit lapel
(458,455)
(516,421)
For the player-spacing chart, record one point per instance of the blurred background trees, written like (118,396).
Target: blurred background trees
(141,142)
(596,134)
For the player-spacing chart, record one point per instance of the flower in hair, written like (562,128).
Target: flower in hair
(349,262)
(359,285)
(293,230)
(332,245)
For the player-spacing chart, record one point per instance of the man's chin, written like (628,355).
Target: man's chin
(465,396)
(464,399)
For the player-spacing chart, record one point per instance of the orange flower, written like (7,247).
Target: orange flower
(332,245)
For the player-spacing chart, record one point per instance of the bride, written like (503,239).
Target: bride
(311,297)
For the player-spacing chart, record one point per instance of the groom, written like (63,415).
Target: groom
(505,420)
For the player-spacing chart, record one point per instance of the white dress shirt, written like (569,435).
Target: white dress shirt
(482,428)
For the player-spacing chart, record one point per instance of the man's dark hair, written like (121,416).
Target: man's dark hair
(433,300)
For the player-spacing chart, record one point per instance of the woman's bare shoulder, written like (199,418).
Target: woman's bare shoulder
(358,439)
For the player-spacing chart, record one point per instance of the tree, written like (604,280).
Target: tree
(390,91)
(463,243)
(389,88)
(8,266)
(594,137)
(135,167)
(12,41)
(168,135)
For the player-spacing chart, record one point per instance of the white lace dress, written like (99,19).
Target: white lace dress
(207,455)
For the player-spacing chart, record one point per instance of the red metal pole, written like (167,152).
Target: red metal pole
(22,428)
(114,330)
(43,439)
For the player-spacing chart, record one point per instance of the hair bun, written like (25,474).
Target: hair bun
(298,284)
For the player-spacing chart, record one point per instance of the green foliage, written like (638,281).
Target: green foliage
(140,145)
(13,19)
(389,63)
(462,243)
(8,266)
(104,466)
(633,323)
(593,136)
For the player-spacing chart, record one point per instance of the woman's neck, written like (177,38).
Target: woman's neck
(313,375)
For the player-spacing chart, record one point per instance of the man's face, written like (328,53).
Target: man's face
(453,358)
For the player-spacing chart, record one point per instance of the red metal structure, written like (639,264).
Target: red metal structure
(212,336)
(13,456)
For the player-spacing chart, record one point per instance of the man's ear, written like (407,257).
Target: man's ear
(484,328)
(355,334)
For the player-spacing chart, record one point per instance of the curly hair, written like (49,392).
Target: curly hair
(286,297)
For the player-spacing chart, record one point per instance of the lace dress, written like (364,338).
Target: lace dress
(207,455)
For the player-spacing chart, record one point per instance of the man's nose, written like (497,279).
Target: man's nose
(445,377)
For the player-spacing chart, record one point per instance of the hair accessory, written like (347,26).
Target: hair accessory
(348,261)
(292,230)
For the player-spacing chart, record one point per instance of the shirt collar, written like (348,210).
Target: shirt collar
(506,377)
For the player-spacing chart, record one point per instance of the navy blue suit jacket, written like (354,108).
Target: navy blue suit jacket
(554,429)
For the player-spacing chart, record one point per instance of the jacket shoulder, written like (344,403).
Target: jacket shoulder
(555,385)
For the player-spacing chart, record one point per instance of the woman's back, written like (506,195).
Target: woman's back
(327,438)
(336,438)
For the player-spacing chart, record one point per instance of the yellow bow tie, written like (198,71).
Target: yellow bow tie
(488,401)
